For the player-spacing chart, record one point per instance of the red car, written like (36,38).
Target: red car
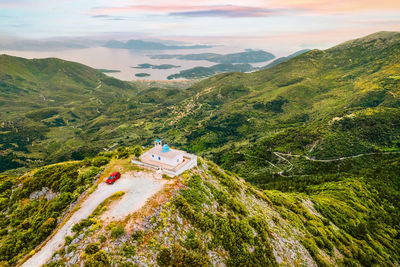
(113,177)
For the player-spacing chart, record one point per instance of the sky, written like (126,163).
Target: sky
(251,23)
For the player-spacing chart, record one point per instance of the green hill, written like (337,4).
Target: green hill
(51,105)
(283,59)
(337,102)
(54,110)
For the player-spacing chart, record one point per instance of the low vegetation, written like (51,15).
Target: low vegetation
(32,205)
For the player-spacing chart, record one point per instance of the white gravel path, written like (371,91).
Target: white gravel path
(138,187)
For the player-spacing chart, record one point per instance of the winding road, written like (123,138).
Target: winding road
(283,155)
(138,187)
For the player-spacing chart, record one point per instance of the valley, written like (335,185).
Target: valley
(298,163)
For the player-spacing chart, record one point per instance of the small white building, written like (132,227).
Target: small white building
(170,161)
(163,154)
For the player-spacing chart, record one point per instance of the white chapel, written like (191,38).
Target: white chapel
(170,161)
(164,154)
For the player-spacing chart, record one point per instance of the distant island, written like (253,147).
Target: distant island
(202,72)
(248,56)
(145,45)
(157,67)
(142,74)
(108,71)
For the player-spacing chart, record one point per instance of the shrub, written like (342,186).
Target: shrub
(137,151)
(68,240)
(82,224)
(3,203)
(92,248)
(165,176)
(129,251)
(47,227)
(237,206)
(102,238)
(108,154)
(138,236)
(122,152)
(87,177)
(164,257)
(3,232)
(191,241)
(117,231)
(71,248)
(87,162)
(100,161)
(98,259)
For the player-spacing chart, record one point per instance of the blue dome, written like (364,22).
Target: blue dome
(165,148)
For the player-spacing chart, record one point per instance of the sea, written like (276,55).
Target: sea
(124,59)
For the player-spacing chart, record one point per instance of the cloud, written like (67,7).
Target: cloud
(108,17)
(101,16)
(192,11)
(227,11)
(17,4)
(335,6)
(221,8)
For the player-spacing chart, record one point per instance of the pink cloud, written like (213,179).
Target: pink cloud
(258,8)
(333,6)
(191,10)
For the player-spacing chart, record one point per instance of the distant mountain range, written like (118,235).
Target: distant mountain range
(146,45)
(248,56)
(156,67)
(44,45)
(202,72)
(81,43)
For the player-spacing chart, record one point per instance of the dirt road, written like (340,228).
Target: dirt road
(139,186)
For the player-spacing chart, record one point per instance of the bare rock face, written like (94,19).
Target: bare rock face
(46,192)
(74,260)
(70,255)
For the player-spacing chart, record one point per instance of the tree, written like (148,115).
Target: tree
(137,151)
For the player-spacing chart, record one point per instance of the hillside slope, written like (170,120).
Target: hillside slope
(314,104)
(216,218)
(338,102)
(54,110)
